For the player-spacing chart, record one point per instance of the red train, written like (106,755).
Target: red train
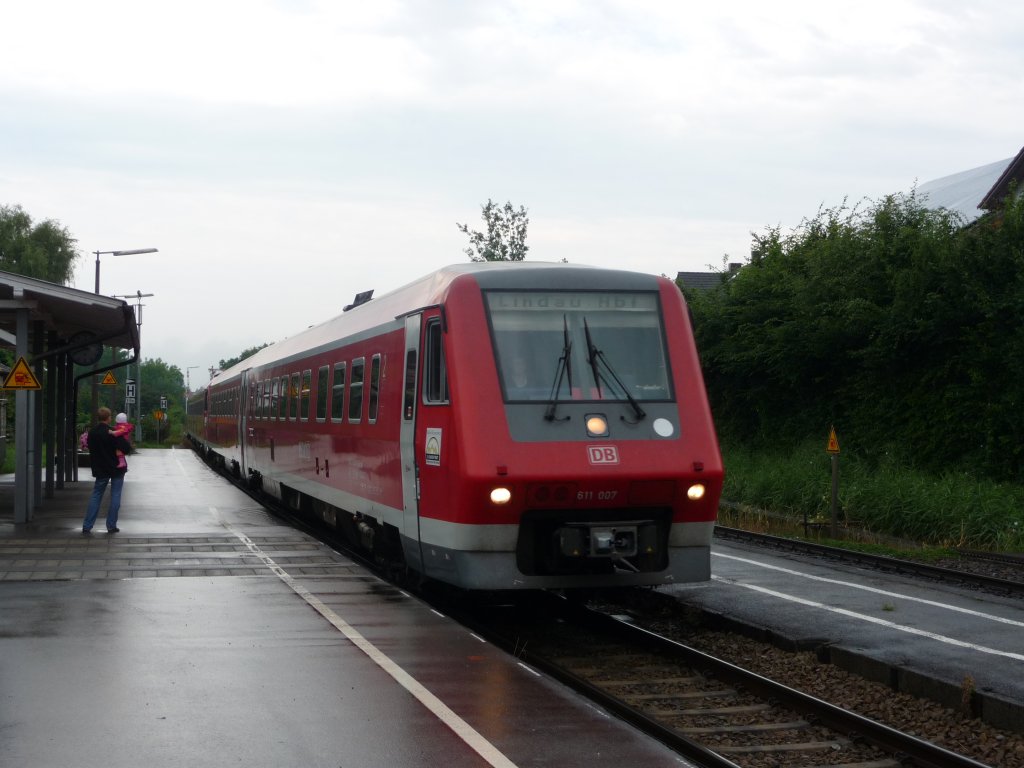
(494,425)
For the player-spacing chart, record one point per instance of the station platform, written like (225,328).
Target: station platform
(937,641)
(205,633)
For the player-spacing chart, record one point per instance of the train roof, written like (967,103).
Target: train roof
(431,290)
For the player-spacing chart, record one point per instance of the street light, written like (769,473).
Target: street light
(188,390)
(95,380)
(117,253)
(138,296)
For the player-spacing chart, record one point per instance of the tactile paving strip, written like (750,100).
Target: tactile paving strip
(115,556)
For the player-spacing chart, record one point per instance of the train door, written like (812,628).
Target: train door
(242,420)
(410,464)
(435,450)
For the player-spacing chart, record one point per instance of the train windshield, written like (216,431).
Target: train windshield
(579,345)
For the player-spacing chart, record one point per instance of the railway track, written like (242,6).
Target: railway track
(1010,578)
(710,711)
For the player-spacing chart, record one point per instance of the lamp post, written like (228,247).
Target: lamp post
(95,384)
(117,253)
(188,391)
(138,296)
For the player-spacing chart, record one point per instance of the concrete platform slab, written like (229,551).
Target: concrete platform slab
(206,634)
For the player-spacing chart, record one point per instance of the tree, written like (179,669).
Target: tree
(45,251)
(506,234)
(156,382)
(894,322)
(160,383)
(223,365)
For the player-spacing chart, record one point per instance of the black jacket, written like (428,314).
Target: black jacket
(103,447)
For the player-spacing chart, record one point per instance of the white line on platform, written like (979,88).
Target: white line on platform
(875,590)
(873,620)
(464,730)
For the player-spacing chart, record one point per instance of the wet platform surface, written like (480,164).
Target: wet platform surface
(926,638)
(205,633)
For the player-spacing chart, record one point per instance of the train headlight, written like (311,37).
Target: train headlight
(597,425)
(500,495)
(695,492)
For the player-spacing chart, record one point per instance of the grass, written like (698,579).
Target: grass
(892,504)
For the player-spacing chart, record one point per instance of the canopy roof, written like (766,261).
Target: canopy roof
(79,318)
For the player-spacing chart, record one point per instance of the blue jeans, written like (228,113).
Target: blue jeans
(116,484)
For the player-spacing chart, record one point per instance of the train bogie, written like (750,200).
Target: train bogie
(496,426)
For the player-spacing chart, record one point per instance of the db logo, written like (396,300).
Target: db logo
(603,454)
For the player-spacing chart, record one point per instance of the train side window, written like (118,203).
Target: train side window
(355,390)
(293,398)
(371,415)
(283,393)
(265,407)
(409,399)
(338,393)
(435,384)
(273,400)
(307,382)
(322,388)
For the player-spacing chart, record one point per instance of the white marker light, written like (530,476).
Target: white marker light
(501,496)
(597,425)
(695,492)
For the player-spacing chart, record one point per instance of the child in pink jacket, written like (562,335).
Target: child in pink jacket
(122,429)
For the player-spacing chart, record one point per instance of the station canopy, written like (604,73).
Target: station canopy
(79,319)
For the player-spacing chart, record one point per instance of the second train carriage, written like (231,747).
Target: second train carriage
(494,425)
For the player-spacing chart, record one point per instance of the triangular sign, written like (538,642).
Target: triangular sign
(833,442)
(109,380)
(21,377)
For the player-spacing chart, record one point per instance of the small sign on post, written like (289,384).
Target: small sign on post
(832,449)
(833,442)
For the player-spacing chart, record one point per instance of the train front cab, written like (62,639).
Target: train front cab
(612,480)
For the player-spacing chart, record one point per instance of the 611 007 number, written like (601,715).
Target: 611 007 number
(599,495)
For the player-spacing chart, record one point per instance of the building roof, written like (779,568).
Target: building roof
(72,314)
(700,281)
(1014,172)
(973,192)
(706,281)
(962,192)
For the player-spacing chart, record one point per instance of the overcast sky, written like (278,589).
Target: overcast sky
(286,155)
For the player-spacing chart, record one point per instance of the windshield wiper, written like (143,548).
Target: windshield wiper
(598,361)
(564,369)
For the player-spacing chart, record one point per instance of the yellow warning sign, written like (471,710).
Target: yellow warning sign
(109,380)
(833,441)
(21,377)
